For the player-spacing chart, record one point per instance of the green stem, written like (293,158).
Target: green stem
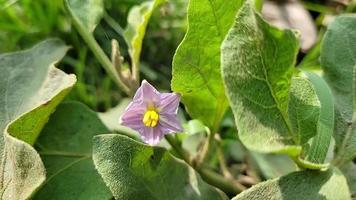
(227,185)
(178,149)
(98,53)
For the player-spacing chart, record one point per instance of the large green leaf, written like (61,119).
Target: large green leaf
(133,170)
(137,22)
(87,13)
(196,64)
(338,60)
(65,147)
(31,87)
(308,185)
(257,66)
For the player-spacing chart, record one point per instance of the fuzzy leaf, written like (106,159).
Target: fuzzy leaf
(338,60)
(318,146)
(87,13)
(313,185)
(196,64)
(133,170)
(31,87)
(257,66)
(65,146)
(137,22)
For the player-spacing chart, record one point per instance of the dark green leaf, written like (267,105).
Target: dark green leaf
(196,64)
(133,170)
(65,148)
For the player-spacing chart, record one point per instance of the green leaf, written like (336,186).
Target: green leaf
(313,185)
(31,87)
(196,64)
(133,170)
(87,13)
(338,60)
(349,170)
(137,21)
(65,146)
(318,146)
(257,66)
(273,165)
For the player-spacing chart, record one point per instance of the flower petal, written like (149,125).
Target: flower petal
(146,93)
(152,136)
(170,122)
(133,115)
(169,103)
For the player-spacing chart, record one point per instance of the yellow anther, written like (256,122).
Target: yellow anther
(150,118)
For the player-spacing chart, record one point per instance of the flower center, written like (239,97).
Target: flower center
(150,118)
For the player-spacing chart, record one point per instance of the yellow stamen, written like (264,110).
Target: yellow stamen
(150,118)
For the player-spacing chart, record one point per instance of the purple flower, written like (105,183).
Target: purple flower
(152,114)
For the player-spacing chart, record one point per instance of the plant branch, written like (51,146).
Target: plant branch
(227,185)
(98,53)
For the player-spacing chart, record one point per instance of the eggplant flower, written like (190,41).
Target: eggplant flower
(152,114)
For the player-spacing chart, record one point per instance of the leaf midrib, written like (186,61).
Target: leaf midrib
(285,118)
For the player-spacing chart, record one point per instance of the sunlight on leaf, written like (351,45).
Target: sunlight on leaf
(137,22)
(196,64)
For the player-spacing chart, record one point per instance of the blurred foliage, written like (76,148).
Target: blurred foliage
(25,22)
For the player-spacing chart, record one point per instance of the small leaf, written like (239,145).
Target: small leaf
(87,13)
(133,170)
(313,185)
(257,66)
(31,87)
(338,60)
(65,147)
(137,22)
(196,64)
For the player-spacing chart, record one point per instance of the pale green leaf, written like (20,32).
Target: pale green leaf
(137,22)
(349,170)
(87,13)
(273,165)
(31,87)
(318,146)
(338,60)
(196,64)
(65,146)
(133,170)
(308,185)
(257,66)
